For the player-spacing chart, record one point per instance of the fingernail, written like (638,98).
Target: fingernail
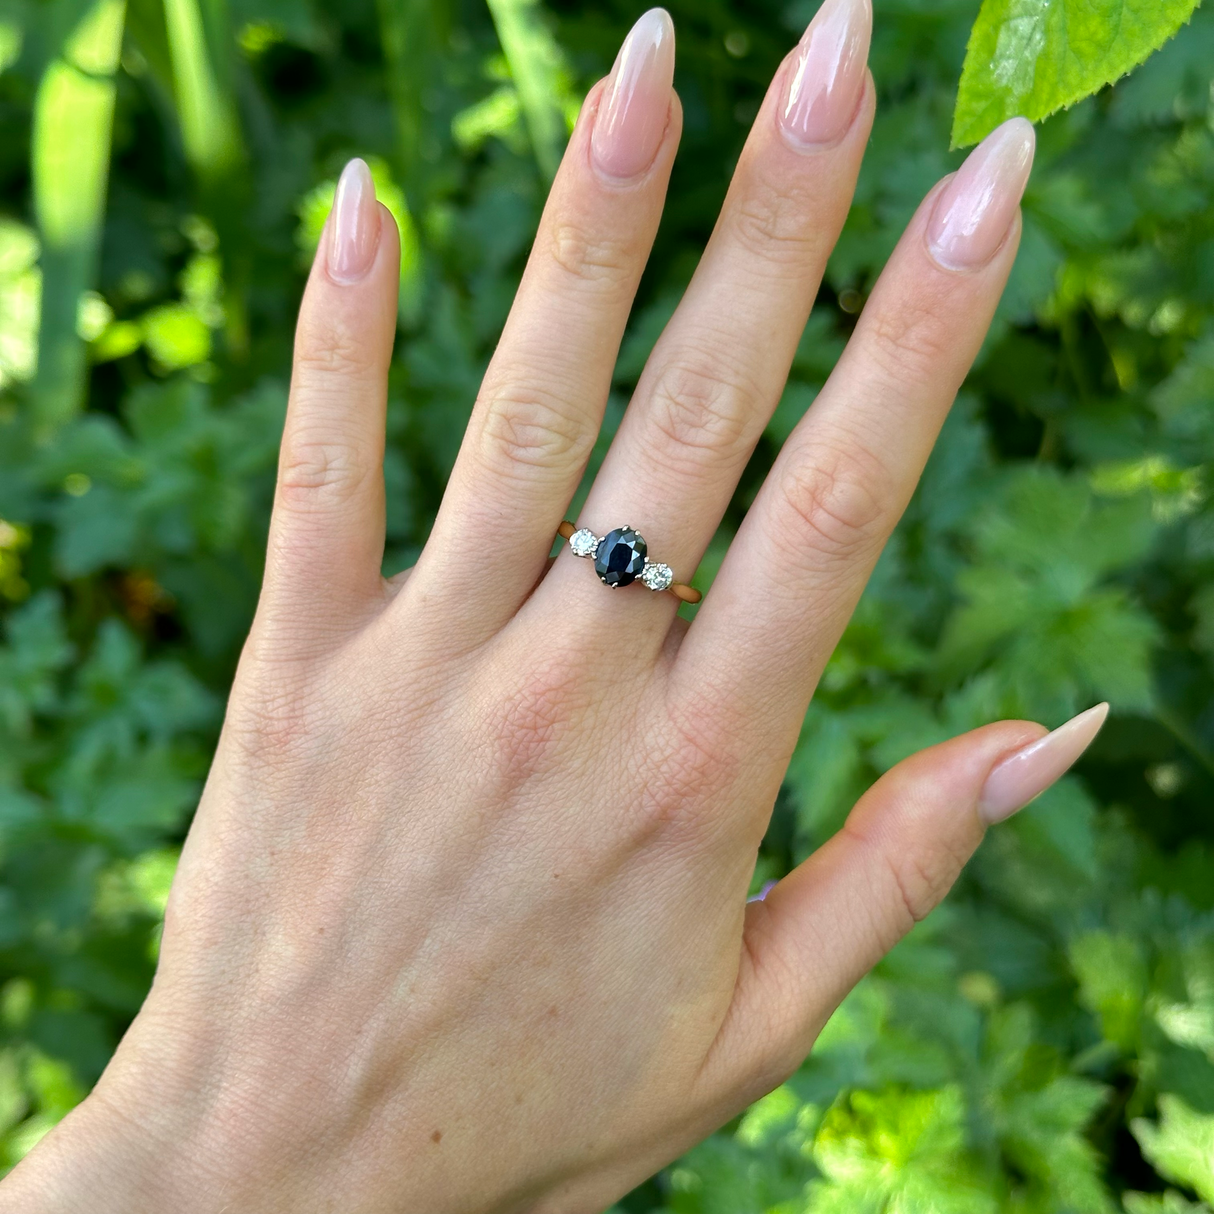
(975,210)
(635,107)
(761,896)
(355,224)
(1029,772)
(827,76)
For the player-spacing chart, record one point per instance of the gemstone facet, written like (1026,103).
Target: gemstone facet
(620,557)
(583,543)
(657,576)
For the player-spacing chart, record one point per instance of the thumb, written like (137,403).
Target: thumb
(904,844)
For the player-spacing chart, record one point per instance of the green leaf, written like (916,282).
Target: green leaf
(1033,57)
(410,39)
(824,772)
(1180,1145)
(37,650)
(1044,1136)
(10,44)
(498,115)
(1188,1020)
(20,291)
(1170,1202)
(900,1151)
(538,69)
(70,153)
(206,110)
(1112,983)
(1037,596)
(1060,824)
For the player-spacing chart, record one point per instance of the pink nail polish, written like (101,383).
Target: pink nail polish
(975,210)
(635,106)
(1020,777)
(826,77)
(354,225)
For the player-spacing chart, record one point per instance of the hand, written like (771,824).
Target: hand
(461,923)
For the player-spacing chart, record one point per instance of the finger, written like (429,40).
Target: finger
(327,530)
(717,373)
(541,405)
(830,920)
(798,565)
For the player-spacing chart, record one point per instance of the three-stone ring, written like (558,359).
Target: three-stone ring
(622,557)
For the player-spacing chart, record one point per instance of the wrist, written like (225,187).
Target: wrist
(164,1130)
(130,1147)
(92,1162)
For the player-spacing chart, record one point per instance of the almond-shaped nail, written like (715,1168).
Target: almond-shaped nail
(1020,777)
(354,225)
(974,212)
(635,107)
(824,81)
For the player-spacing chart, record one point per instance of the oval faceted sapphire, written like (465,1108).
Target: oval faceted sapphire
(620,557)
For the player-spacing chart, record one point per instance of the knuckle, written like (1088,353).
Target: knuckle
(911,887)
(910,341)
(774,225)
(310,464)
(690,770)
(335,351)
(590,257)
(530,720)
(531,430)
(923,883)
(916,878)
(698,411)
(271,728)
(834,506)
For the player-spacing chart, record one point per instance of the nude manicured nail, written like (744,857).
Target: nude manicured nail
(975,210)
(826,77)
(355,224)
(1029,772)
(635,107)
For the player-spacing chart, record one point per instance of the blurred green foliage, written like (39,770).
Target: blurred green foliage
(1043,1043)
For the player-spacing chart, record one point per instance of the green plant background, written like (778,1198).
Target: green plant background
(1045,1041)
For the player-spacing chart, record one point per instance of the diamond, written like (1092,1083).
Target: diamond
(620,557)
(657,576)
(583,543)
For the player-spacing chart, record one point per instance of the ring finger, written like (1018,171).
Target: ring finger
(717,373)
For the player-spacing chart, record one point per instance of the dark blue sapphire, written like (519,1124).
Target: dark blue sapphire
(620,557)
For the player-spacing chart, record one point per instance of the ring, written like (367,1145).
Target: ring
(622,557)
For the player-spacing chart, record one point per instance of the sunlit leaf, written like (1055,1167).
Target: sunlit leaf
(11,38)
(1170,1202)
(73,121)
(20,294)
(1180,1145)
(1032,57)
(209,125)
(176,336)
(539,73)
(497,116)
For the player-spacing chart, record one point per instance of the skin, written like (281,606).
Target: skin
(461,922)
